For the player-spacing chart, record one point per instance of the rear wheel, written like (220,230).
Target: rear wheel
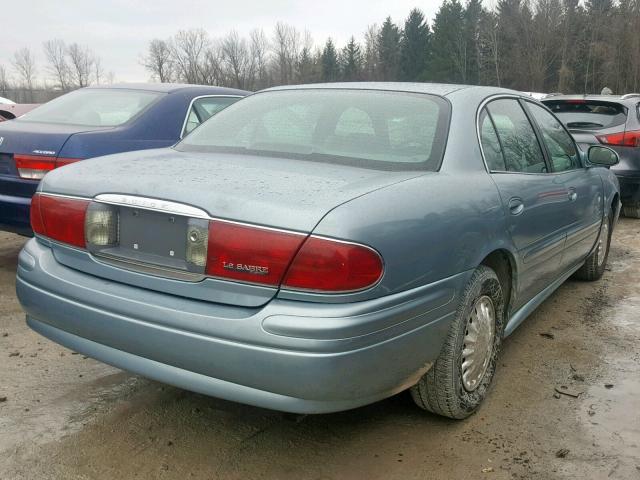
(631,210)
(461,375)
(596,262)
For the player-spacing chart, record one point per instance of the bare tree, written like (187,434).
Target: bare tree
(82,62)
(489,35)
(189,49)
(25,66)
(286,46)
(56,53)
(237,60)
(371,36)
(110,78)
(4,81)
(211,67)
(159,60)
(259,58)
(98,71)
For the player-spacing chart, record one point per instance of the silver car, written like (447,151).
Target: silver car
(317,248)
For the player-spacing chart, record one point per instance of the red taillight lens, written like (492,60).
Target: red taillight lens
(35,167)
(34,213)
(274,257)
(623,139)
(59,218)
(250,254)
(327,265)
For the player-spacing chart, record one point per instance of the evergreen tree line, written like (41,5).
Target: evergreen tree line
(532,45)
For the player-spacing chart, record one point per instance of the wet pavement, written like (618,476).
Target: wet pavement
(565,404)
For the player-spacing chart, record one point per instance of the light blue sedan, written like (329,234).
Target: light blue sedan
(317,248)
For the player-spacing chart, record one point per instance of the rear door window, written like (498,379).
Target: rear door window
(564,155)
(204,108)
(522,152)
(491,144)
(588,114)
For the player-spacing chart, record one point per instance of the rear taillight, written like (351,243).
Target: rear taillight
(327,265)
(295,261)
(59,218)
(226,250)
(250,254)
(35,167)
(622,139)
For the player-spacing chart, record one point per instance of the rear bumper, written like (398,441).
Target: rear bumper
(15,202)
(292,356)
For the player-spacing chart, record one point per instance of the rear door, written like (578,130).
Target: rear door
(534,201)
(584,186)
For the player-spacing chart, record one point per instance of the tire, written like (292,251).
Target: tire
(631,210)
(444,390)
(595,264)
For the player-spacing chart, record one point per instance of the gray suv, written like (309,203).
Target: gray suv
(612,120)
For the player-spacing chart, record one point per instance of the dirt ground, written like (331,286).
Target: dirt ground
(69,417)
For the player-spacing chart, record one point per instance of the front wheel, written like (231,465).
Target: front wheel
(596,262)
(461,375)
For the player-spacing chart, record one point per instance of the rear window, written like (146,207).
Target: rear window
(375,129)
(588,114)
(99,107)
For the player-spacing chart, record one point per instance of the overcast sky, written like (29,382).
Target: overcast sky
(118,30)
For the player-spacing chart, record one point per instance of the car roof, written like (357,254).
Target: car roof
(171,88)
(442,89)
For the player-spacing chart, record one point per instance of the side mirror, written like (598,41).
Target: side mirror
(602,156)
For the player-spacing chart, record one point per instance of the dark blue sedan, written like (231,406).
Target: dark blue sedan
(92,122)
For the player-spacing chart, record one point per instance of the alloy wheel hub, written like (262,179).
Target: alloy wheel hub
(478,343)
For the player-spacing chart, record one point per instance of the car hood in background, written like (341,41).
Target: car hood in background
(283,193)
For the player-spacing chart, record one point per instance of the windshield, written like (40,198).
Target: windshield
(376,129)
(97,107)
(588,114)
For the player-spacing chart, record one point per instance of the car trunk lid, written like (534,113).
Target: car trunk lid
(34,139)
(275,192)
(163,195)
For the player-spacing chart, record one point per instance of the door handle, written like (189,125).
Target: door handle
(516,206)
(573,195)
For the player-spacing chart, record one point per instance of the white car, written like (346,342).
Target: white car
(536,95)
(6,101)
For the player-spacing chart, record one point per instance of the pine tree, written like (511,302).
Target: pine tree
(330,65)
(472,20)
(414,46)
(305,66)
(389,51)
(450,56)
(351,61)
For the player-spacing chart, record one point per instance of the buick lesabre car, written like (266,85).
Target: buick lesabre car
(317,248)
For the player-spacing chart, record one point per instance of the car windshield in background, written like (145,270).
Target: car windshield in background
(374,129)
(99,107)
(588,114)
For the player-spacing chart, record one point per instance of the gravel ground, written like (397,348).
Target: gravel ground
(63,416)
